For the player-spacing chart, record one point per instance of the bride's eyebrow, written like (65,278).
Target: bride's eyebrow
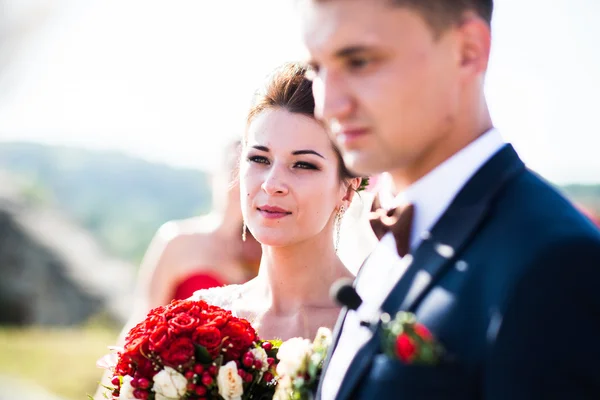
(299,152)
(295,153)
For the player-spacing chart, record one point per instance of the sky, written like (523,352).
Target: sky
(172,81)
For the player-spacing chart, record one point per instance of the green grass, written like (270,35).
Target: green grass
(62,361)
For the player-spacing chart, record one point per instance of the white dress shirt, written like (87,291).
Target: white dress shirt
(431,196)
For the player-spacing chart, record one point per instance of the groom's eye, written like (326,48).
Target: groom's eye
(358,63)
(258,159)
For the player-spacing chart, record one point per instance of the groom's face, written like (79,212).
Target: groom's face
(384,83)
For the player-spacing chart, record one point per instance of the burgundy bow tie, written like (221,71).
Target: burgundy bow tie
(397,220)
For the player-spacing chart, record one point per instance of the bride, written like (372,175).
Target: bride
(294,191)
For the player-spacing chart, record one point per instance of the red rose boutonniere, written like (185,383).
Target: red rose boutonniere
(409,341)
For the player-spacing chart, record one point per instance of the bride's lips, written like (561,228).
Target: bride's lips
(273,212)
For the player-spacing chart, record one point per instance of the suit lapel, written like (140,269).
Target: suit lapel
(434,255)
(448,237)
(459,224)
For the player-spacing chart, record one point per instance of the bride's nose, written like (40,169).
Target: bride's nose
(274,183)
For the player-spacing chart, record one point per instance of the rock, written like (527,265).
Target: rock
(53,272)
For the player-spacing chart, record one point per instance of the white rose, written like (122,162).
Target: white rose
(261,355)
(230,384)
(109,361)
(126,391)
(169,384)
(292,355)
(283,390)
(323,337)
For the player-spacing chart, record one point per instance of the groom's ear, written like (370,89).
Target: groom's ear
(474,44)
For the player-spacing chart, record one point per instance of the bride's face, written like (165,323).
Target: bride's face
(289,179)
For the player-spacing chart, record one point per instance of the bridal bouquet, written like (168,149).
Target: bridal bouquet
(192,350)
(300,365)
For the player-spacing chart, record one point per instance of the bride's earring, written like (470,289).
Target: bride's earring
(244,230)
(338,224)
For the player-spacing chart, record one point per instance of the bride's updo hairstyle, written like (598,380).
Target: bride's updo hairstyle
(288,89)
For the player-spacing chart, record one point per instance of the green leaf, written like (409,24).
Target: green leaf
(275,342)
(426,354)
(218,361)
(298,383)
(312,369)
(202,355)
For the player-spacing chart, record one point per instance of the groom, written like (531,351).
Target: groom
(500,268)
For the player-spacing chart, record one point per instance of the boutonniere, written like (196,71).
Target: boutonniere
(409,341)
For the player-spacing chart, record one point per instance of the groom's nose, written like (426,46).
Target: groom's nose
(332,101)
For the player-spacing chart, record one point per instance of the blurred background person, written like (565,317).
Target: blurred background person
(200,252)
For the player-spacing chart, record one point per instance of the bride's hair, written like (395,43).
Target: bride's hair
(288,88)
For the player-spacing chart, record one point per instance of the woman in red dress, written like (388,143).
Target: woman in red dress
(199,252)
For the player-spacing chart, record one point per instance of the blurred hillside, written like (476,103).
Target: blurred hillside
(120,199)
(585,195)
(123,200)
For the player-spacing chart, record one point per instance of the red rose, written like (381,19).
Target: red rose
(160,310)
(240,336)
(249,332)
(182,323)
(423,332)
(216,318)
(137,344)
(124,366)
(179,352)
(159,338)
(209,337)
(184,307)
(405,348)
(145,369)
(136,331)
(154,320)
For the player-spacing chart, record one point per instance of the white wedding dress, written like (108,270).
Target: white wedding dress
(226,297)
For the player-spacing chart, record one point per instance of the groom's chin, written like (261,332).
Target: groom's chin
(361,163)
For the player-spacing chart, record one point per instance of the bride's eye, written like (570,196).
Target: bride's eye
(258,159)
(305,165)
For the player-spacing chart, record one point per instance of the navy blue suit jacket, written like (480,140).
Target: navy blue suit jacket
(515,303)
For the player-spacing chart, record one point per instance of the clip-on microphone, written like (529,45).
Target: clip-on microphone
(344,294)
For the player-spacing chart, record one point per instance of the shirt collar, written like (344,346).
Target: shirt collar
(432,194)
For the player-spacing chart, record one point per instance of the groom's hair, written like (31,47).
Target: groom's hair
(441,14)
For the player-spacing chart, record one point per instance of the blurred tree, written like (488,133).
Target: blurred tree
(120,199)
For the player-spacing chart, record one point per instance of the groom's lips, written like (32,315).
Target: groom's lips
(273,212)
(349,136)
